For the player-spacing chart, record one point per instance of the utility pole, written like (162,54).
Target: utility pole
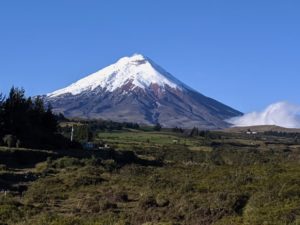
(72,133)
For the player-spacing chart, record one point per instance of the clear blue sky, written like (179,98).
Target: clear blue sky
(243,53)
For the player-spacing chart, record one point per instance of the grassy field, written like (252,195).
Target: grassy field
(154,178)
(139,140)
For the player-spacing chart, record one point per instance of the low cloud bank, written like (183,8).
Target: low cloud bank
(281,114)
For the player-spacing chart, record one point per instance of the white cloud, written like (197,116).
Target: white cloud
(281,114)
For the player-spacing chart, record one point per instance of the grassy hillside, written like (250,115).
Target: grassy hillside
(155,178)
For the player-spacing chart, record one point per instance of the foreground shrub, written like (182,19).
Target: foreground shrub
(162,201)
(66,162)
(147,201)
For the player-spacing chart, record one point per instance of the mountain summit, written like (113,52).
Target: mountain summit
(136,71)
(135,89)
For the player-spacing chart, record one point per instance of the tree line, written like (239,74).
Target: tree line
(27,122)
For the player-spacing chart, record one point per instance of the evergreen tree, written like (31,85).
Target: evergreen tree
(28,120)
(15,113)
(1,115)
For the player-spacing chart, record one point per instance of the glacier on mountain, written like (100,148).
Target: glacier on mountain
(138,70)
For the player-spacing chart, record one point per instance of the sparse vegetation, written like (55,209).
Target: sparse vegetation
(210,178)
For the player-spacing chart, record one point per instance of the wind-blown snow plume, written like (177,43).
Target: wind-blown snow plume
(281,114)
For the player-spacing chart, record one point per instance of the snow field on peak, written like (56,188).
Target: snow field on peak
(137,69)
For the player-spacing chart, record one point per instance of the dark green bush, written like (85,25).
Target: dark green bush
(147,201)
(66,162)
(161,200)
(107,205)
(121,197)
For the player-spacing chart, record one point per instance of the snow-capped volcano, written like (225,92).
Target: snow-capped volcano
(135,89)
(136,71)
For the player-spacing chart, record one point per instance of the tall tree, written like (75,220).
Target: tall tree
(16,108)
(27,119)
(1,115)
